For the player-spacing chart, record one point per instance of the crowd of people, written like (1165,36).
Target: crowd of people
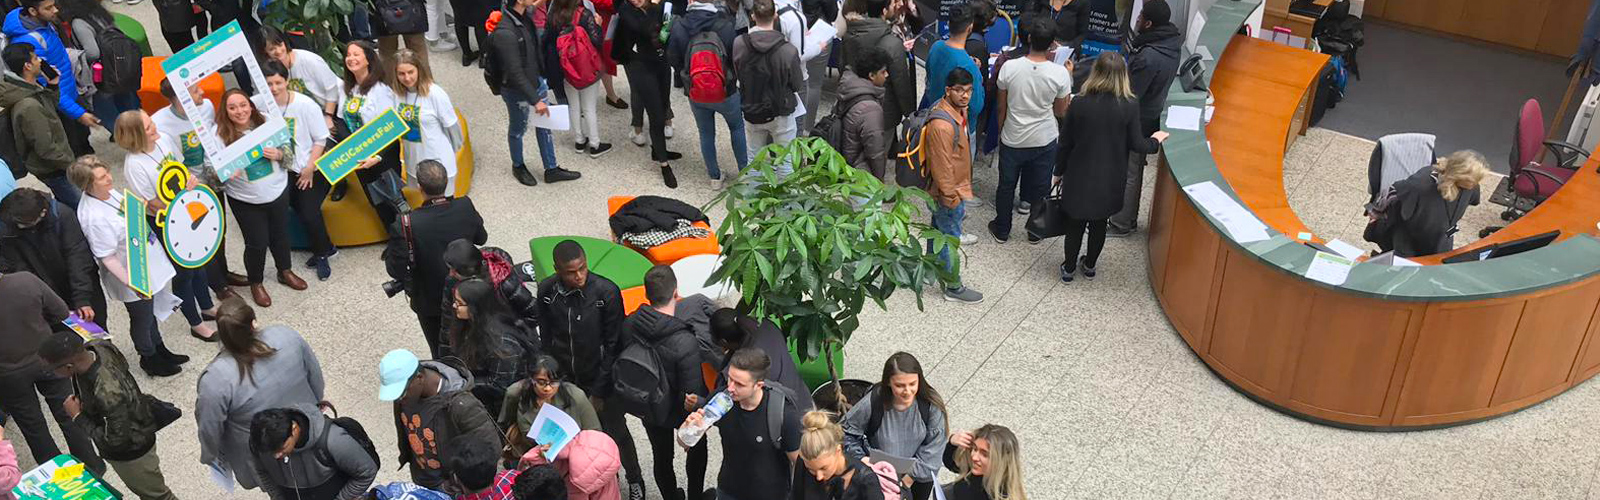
(500,346)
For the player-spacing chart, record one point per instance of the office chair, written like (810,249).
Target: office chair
(1531,180)
(1396,157)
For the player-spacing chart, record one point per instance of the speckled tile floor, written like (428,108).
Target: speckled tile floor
(1108,401)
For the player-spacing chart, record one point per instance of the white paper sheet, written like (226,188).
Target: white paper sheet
(1345,250)
(1062,54)
(1404,262)
(1329,268)
(553,427)
(1183,118)
(223,478)
(1210,110)
(1304,236)
(1240,223)
(558,119)
(799,107)
(819,34)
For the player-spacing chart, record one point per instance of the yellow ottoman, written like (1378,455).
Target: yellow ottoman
(352,221)
(463,168)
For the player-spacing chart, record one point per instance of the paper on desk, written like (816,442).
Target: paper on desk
(553,427)
(1205,53)
(1062,54)
(1404,262)
(1210,110)
(1240,223)
(558,119)
(1183,118)
(1345,250)
(1329,268)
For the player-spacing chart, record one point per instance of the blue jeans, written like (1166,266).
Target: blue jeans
(190,285)
(520,107)
(948,221)
(1030,166)
(108,106)
(704,116)
(64,191)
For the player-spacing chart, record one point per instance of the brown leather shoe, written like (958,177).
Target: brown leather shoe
(289,279)
(236,279)
(226,293)
(259,292)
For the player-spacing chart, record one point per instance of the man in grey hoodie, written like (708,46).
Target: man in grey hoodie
(301,455)
(433,404)
(771,79)
(867,28)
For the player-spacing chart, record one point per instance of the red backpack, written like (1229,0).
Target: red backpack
(709,75)
(579,59)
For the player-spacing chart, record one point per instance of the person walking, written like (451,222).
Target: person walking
(108,404)
(257,369)
(715,22)
(522,87)
(1034,92)
(415,254)
(435,129)
(1101,129)
(1152,65)
(950,174)
(106,229)
(638,46)
(30,308)
(42,236)
(771,79)
(301,454)
(902,416)
(259,196)
(307,189)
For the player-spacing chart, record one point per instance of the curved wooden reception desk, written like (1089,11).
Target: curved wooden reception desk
(1392,348)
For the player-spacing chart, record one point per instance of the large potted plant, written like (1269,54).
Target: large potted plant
(809,251)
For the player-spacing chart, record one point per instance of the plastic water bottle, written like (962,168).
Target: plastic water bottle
(719,405)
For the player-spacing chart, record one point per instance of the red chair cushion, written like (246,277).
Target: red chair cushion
(1531,184)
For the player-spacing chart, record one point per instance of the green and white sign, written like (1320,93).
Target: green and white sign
(364,143)
(63,478)
(138,243)
(194,227)
(218,50)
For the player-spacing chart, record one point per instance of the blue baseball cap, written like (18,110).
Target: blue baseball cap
(394,372)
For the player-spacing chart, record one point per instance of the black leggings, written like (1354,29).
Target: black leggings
(650,84)
(1074,239)
(265,227)
(177,40)
(662,445)
(308,205)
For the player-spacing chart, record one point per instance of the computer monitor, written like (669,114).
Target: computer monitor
(1525,244)
(1472,256)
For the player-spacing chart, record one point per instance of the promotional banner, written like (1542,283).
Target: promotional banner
(364,143)
(138,243)
(63,478)
(1105,28)
(194,227)
(214,52)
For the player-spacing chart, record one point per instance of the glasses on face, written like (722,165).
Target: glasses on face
(544,383)
(964,90)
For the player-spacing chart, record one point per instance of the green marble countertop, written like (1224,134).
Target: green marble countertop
(1190,162)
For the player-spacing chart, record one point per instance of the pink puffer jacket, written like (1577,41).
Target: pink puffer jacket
(887,480)
(10,475)
(589,463)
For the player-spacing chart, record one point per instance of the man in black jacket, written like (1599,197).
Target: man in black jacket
(41,236)
(580,322)
(680,353)
(416,256)
(1152,65)
(516,48)
(871,30)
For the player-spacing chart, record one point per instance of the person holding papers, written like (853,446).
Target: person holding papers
(901,416)
(435,130)
(259,196)
(1100,130)
(366,96)
(104,227)
(308,136)
(544,386)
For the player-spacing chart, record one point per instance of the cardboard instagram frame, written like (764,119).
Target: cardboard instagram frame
(211,54)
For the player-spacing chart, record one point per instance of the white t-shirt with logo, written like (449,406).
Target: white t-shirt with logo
(430,118)
(365,107)
(1031,92)
(107,233)
(311,76)
(189,148)
(259,183)
(144,169)
(306,128)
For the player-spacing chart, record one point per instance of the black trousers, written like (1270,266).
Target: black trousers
(1074,239)
(308,205)
(178,39)
(265,227)
(18,398)
(77,133)
(615,424)
(662,445)
(922,491)
(651,81)
(430,332)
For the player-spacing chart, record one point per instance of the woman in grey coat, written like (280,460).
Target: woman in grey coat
(258,369)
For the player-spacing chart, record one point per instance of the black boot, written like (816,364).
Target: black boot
(175,358)
(156,366)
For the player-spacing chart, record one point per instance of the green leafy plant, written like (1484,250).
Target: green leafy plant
(808,251)
(316,21)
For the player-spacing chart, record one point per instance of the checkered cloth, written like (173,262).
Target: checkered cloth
(651,239)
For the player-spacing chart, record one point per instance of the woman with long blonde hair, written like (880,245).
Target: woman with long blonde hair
(825,473)
(989,461)
(1429,204)
(435,132)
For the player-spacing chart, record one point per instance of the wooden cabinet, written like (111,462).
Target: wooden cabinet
(1547,26)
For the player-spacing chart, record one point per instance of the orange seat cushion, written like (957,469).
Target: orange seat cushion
(150,98)
(672,250)
(632,299)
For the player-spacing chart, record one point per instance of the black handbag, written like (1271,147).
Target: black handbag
(399,17)
(1048,219)
(165,413)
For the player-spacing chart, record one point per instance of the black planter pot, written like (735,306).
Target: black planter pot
(825,398)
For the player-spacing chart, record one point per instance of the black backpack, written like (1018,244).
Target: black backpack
(875,418)
(121,59)
(764,98)
(831,127)
(8,146)
(911,153)
(356,431)
(775,409)
(399,17)
(639,382)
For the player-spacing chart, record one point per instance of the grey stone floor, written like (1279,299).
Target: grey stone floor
(1107,400)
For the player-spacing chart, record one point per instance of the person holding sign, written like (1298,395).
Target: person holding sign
(259,197)
(426,108)
(367,95)
(148,150)
(101,215)
(308,135)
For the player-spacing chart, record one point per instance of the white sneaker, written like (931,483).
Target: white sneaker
(969,239)
(974,202)
(640,139)
(116,1)
(443,45)
(716,184)
(669,131)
